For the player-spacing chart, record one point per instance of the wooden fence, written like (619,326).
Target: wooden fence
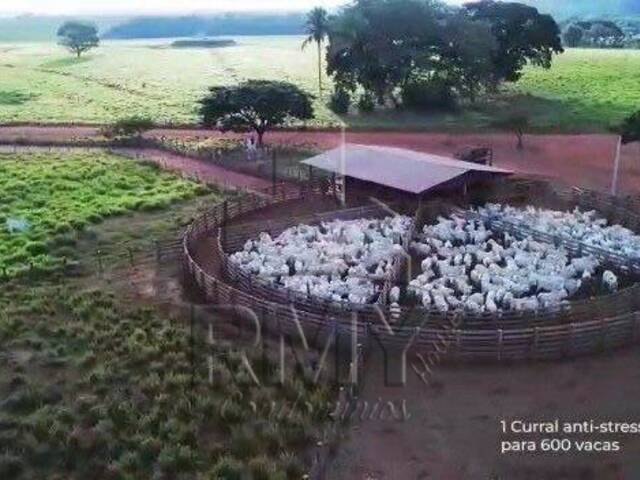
(577,328)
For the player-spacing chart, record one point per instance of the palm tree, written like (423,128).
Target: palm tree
(317,27)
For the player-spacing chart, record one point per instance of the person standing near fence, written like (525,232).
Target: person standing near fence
(251,147)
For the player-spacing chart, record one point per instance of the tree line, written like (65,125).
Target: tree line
(598,34)
(425,54)
(391,53)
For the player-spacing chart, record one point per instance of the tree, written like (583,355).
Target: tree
(256,105)
(340,101)
(573,36)
(317,27)
(78,37)
(516,123)
(133,126)
(386,46)
(464,58)
(606,34)
(523,35)
(629,130)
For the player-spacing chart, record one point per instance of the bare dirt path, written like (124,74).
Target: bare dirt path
(583,160)
(203,170)
(454,430)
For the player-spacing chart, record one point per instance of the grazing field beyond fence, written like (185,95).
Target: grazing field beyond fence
(45,199)
(586,90)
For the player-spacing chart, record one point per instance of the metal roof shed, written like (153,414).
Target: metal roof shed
(405,170)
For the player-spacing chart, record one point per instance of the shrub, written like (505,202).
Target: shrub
(366,103)
(261,468)
(10,466)
(428,94)
(128,127)
(292,466)
(298,432)
(340,101)
(244,442)
(227,468)
(230,415)
(22,401)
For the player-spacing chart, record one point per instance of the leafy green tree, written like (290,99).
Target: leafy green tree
(386,47)
(464,61)
(317,28)
(523,35)
(78,37)
(518,124)
(256,105)
(366,103)
(340,101)
(630,128)
(604,34)
(572,36)
(374,44)
(133,126)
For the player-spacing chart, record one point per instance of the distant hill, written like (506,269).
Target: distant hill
(37,28)
(215,25)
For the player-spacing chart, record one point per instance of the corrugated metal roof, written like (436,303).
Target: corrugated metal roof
(405,170)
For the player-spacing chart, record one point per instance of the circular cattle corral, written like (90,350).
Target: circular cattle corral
(519,270)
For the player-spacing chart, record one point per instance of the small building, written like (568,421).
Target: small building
(388,173)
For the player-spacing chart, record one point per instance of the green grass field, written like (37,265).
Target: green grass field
(99,378)
(586,90)
(45,198)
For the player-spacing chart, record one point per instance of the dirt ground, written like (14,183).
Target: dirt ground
(583,160)
(205,171)
(454,432)
(454,429)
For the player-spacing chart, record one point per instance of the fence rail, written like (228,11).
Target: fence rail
(580,327)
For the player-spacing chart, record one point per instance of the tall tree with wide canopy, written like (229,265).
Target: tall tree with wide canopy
(374,44)
(317,28)
(382,46)
(78,37)
(256,105)
(523,35)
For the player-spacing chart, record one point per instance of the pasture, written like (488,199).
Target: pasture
(101,375)
(586,90)
(45,199)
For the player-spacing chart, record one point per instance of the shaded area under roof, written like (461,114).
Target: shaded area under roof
(405,170)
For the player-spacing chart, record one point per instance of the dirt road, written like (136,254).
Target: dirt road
(583,160)
(203,170)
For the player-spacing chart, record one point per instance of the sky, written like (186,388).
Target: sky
(139,7)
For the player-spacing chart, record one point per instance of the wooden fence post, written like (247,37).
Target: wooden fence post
(225,219)
(603,333)
(636,327)
(570,339)
(158,248)
(274,172)
(99,258)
